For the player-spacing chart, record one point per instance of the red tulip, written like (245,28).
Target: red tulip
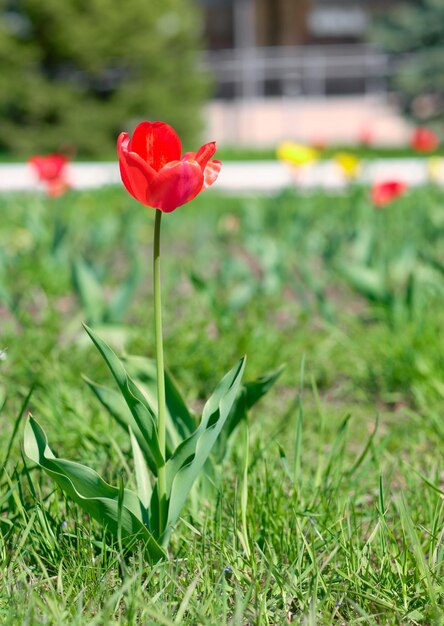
(366,136)
(51,170)
(154,172)
(424,140)
(319,143)
(387,191)
(57,187)
(49,167)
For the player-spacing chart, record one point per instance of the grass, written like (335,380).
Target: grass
(336,514)
(229,153)
(236,153)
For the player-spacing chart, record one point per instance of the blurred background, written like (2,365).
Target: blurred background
(315,70)
(249,72)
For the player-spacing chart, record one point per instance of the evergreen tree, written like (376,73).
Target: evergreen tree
(77,72)
(417,29)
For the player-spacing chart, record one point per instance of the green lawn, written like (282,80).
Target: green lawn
(334,512)
(236,153)
(227,153)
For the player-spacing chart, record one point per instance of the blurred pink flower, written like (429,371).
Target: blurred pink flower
(366,136)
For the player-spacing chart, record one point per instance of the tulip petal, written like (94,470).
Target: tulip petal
(122,150)
(142,177)
(204,154)
(211,172)
(175,184)
(156,143)
(210,169)
(137,176)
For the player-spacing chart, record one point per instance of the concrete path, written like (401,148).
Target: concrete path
(258,176)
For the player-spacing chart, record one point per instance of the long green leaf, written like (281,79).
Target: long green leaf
(123,296)
(249,394)
(144,490)
(144,370)
(90,291)
(17,420)
(99,499)
(115,404)
(256,389)
(188,459)
(136,401)
(366,281)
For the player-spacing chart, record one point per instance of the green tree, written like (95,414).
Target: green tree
(417,29)
(77,72)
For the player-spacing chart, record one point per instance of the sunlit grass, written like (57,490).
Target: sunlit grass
(343,510)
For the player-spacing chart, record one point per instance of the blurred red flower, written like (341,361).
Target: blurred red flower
(154,172)
(385,192)
(424,140)
(366,136)
(319,143)
(51,170)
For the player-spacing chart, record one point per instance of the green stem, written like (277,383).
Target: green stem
(161,403)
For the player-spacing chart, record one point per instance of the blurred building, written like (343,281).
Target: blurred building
(289,22)
(285,55)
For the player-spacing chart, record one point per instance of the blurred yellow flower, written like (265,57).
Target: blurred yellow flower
(296,153)
(348,163)
(435,168)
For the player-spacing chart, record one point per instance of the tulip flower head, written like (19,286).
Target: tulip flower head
(319,144)
(435,168)
(348,163)
(51,171)
(296,153)
(366,136)
(154,172)
(424,140)
(385,192)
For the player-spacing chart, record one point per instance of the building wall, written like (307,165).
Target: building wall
(281,22)
(334,121)
(218,24)
(293,22)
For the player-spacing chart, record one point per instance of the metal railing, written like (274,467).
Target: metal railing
(310,70)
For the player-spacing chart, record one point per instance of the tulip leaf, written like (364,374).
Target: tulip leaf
(115,404)
(249,394)
(144,369)
(366,281)
(121,513)
(89,290)
(135,400)
(123,296)
(190,456)
(144,489)
(257,388)
(180,422)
